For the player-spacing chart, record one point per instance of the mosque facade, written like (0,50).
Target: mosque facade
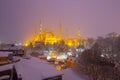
(49,37)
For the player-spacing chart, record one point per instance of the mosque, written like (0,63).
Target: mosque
(49,37)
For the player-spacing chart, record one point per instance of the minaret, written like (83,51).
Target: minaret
(35,31)
(67,34)
(40,27)
(79,35)
(60,30)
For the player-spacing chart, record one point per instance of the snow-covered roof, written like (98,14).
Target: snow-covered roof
(35,69)
(6,77)
(6,67)
(12,48)
(4,53)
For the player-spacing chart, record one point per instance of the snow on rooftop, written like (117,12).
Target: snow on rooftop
(35,69)
(6,77)
(6,67)
(9,47)
(4,54)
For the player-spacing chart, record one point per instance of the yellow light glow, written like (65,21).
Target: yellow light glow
(53,55)
(26,44)
(48,37)
(70,44)
(59,68)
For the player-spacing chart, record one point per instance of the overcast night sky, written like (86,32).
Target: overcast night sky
(94,17)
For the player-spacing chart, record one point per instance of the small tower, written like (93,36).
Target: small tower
(60,30)
(35,31)
(40,27)
(41,35)
(67,34)
(79,35)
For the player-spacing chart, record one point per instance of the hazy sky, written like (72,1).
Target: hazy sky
(94,17)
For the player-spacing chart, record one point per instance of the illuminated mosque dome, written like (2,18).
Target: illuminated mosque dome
(49,37)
